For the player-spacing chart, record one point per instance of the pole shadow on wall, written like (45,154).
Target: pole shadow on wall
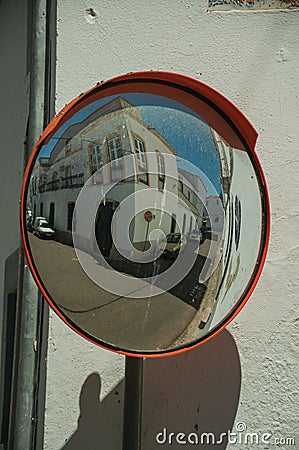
(195,392)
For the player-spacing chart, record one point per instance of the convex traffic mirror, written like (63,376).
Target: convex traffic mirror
(145,213)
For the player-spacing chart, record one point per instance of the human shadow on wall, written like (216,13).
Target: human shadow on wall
(99,422)
(194,392)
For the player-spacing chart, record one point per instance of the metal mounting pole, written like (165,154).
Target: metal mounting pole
(132,422)
(27,351)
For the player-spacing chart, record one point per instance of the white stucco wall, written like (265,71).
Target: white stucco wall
(253,59)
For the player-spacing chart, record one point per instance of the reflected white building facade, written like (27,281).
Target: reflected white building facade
(92,152)
(242,226)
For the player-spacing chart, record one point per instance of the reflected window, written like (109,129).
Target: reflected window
(70,212)
(115,151)
(141,160)
(55,181)
(68,147)
(70,178)
(41,209)
(161,170)
(68,171)
(52,214)
(115,154)
(191,223)
(95,158)
(173,223)
(42,187)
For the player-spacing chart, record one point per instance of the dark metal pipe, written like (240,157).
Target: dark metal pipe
(27,363)
(132,421)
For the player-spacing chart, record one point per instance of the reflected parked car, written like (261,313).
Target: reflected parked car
(175,242)
(195,235)
(42,229)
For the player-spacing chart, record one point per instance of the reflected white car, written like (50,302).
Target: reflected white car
(43,229)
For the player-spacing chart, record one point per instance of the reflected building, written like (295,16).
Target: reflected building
(242,226)
(92,151)
(215,219)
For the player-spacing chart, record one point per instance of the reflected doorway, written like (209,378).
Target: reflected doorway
(103,227)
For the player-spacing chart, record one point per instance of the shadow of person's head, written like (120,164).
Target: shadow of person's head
(89,397)
(99,422)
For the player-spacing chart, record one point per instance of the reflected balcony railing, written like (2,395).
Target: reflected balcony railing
(49,186)
(73,181)
(42,187)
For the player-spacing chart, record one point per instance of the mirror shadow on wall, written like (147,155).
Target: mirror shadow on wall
(139,216)
(193,393)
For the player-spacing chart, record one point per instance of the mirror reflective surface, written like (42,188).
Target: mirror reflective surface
(143,224)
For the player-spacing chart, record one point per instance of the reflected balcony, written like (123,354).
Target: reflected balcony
(73,181)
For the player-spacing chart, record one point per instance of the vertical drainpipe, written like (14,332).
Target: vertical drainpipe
(28,342)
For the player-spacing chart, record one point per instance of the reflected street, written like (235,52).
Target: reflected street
(155,323)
